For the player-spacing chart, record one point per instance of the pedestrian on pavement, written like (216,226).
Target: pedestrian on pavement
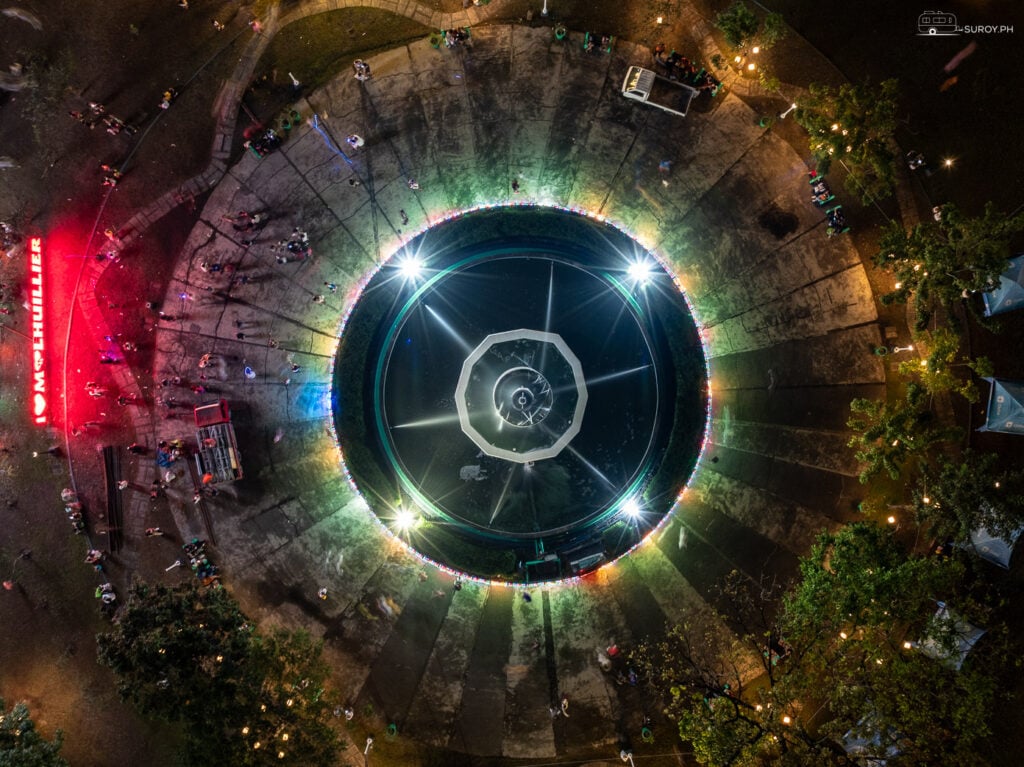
(322,593)
(122,485)
(331,287)
(296,368)
(240,336)
(218,26)
(565,706)
(355,141)
(413,184)
(153,531)
(249,373)
(318,299)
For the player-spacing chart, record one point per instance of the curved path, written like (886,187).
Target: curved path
(788,315)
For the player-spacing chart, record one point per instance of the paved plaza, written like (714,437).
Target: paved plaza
(515,118)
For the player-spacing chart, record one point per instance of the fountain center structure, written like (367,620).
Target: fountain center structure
(520,394)
(505,398)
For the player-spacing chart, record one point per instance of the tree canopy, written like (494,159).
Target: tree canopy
(742,27)
(842,642)
(945,368)
(21,745)
(888,434)
(855,124)
(956,496)
(188,654)
(940,262)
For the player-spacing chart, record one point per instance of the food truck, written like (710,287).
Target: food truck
(217,458)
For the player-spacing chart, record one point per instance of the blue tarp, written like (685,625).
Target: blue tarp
(1005,407)
(1010,293)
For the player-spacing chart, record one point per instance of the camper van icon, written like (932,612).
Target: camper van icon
(937,23)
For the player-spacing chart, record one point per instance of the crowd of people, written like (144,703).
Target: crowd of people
(675,66)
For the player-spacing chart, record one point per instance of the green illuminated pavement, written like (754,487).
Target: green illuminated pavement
(790,321)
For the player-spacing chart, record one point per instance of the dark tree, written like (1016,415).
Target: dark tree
(956,496)
(854,124)
(845,645)
(743,28)
(945,368)
(853,624)
(21,745)
(188,654)
(941,262)
(888,434)
(181,653)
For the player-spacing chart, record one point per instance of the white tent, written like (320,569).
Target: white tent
(994,549)
(867,749)
(945,622)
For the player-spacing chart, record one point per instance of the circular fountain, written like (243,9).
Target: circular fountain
(516,381)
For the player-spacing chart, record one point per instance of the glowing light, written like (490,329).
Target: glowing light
(632,508)
(751,66)
(35,270)
(405,519)
(926,500)
(257,744)
(891,520)
(411,268)
(639,271)
(843,635)
(289,702)
(284,737)
(907,645)
(660,20)
(786,720)
(948,162)
(245,730)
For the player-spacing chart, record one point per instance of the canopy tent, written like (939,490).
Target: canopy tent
(994,549)
(1005,407)
(864,744)
(947,624)
(1010,293)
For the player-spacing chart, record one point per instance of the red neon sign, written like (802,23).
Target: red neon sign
(35,268)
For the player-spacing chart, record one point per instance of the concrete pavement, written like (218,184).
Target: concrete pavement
(789,320)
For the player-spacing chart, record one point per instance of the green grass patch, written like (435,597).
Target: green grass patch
(317,48)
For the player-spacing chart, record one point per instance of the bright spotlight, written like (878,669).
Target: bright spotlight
(404,519)
(639,271)
(411,268)
(631,508)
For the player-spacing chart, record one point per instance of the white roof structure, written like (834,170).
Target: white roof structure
(966,634)
(995,549)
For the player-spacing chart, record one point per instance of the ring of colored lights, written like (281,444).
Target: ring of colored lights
(519,392)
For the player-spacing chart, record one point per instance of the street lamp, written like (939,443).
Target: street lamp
(897,349)
(627,756)
(791,108)
(544,10)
